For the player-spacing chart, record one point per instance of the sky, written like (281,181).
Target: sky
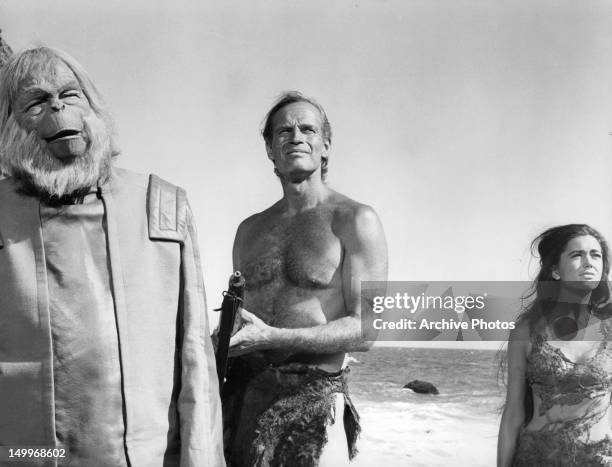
(470,126)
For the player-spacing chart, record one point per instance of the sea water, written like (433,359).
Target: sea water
(401,428)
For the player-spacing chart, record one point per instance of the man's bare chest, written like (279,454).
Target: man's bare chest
(303,252)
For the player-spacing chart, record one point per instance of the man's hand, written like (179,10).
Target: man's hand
(254,335)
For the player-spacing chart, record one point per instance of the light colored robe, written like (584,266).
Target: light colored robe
(170,388)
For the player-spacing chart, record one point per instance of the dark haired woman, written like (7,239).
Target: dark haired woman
(557,410)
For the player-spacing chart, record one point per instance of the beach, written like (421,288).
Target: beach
(399,427)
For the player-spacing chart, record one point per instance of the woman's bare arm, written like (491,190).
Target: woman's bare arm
(513,416)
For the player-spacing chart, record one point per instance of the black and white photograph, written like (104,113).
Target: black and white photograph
(221,221)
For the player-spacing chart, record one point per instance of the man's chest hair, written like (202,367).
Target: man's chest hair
(302,251)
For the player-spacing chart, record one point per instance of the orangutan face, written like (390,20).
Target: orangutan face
(55,144)
(54,107)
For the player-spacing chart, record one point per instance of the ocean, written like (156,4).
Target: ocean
(458,427)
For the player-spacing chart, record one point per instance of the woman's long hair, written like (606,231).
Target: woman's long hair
(541,298)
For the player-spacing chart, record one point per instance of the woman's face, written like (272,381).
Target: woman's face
(580,263)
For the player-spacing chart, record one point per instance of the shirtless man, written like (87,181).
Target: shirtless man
(303,259)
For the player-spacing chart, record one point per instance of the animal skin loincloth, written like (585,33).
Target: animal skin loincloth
(278,416)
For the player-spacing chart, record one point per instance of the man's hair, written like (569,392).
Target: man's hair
(291,97)
(23,64)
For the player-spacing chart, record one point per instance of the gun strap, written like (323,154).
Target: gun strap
(166,210)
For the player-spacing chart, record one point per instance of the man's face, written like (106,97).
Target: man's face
(53,106)
(298,144)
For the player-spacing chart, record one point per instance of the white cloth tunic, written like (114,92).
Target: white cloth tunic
(86,363)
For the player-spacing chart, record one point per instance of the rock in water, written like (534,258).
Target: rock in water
(5,51)
(422,387)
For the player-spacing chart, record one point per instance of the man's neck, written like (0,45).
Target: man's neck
(304,194)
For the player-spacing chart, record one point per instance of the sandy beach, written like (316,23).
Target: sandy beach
(398,435)
(399,427)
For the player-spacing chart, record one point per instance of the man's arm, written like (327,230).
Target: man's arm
(199,406)
(365,259)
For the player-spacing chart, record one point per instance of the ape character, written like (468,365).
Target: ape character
(104,347)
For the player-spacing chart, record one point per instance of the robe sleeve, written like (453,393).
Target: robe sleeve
(199,405)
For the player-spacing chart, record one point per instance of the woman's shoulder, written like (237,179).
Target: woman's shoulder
(598,323)
(605,327)
(521,332)
(520,338)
